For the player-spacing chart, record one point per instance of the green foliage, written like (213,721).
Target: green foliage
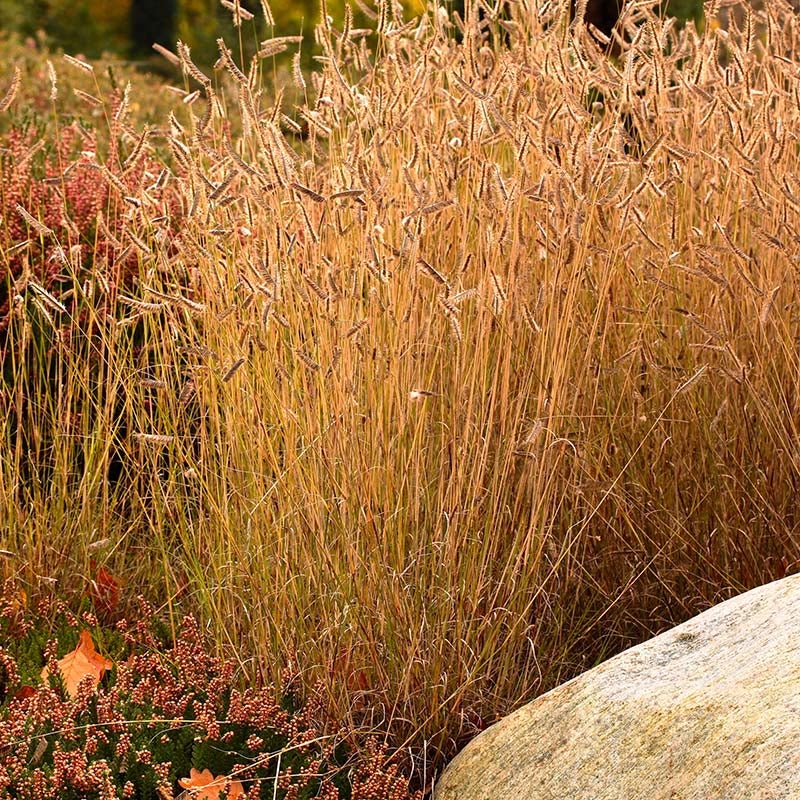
(77,26)
(684,9)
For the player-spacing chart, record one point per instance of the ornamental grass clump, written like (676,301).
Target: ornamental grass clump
(157,719)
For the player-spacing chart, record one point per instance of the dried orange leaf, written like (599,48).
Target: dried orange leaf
(19,601)
(204,786)
(82,661)
(103,589)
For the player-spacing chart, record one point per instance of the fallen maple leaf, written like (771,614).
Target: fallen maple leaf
(82,661)
(204,786)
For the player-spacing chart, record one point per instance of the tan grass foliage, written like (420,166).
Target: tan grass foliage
(589,264)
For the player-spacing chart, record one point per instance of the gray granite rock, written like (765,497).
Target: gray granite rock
(709,710)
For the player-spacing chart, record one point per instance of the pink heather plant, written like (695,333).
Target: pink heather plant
(162,712)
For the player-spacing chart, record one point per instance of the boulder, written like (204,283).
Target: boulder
(709,710)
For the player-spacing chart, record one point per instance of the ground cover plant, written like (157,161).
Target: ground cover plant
(93,727)
(487,373)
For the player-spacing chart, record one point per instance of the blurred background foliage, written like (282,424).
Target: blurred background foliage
(684,9)
(129,27)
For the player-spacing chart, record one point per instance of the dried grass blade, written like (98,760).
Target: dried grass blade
(11,93)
